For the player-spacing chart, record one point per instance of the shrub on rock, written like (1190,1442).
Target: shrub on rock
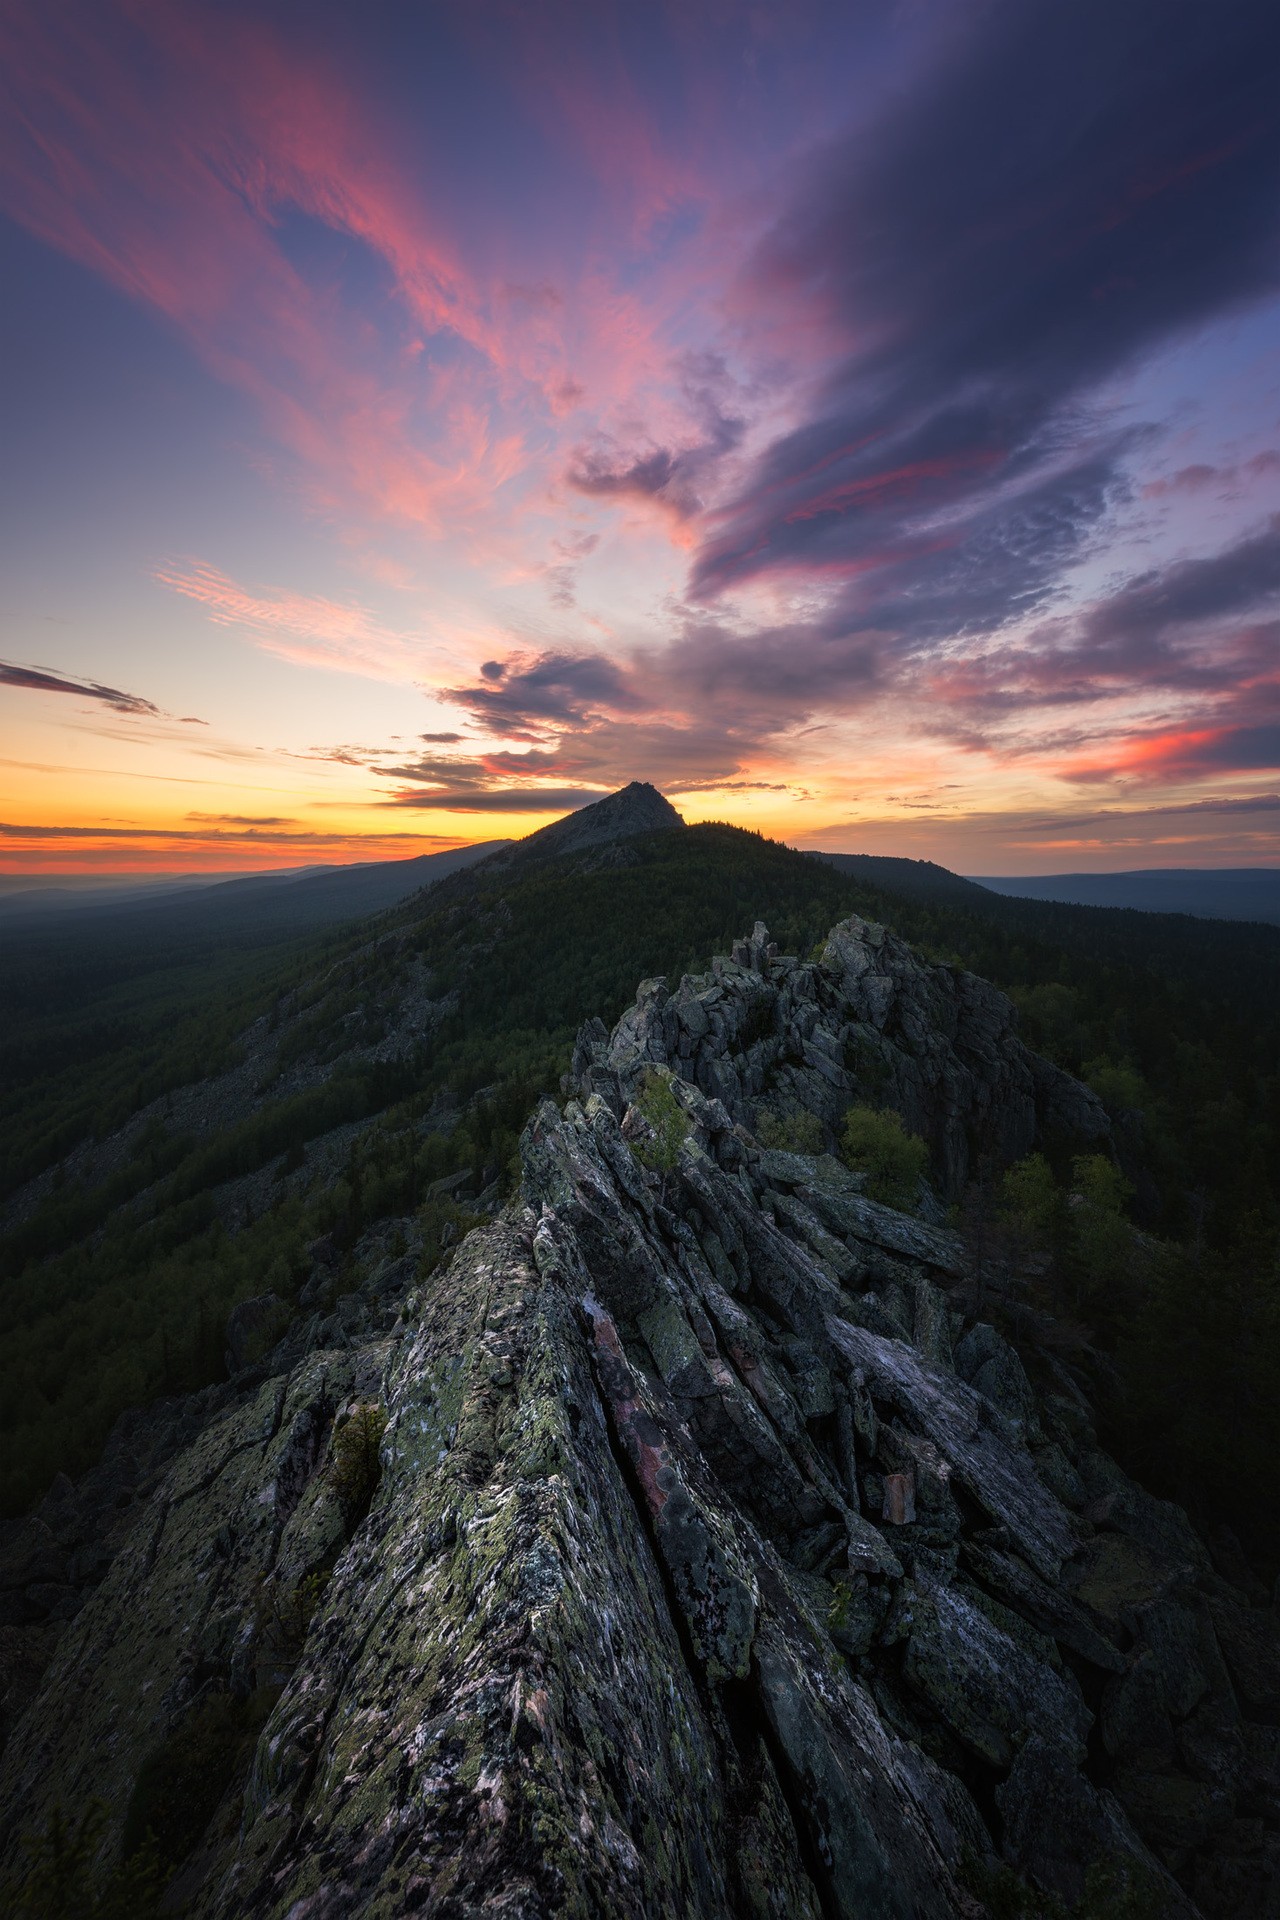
(876,1143)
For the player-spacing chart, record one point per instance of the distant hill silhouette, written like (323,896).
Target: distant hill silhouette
(909,879)
(283,903)
(1209,893)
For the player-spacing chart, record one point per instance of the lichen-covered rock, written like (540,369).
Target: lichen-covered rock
(181,1608)
(620,1621)
(982,1684)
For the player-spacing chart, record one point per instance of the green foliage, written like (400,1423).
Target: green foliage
(875,1142)
(1077,1236)
(115,1293)
(141,1311)
(794,1132)
(1030,1199)
(62,1880)
(1102,1241)
(356,1467)
(669,1121)
(1121,1089)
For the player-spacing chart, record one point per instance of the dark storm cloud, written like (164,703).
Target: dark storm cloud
(751,682)
(491,783)
(674,477)
(1240,579)
(1069,186)
(36,680)
(1073,183)
(1196,630)
(497,799)
(525,693)
(1194,627)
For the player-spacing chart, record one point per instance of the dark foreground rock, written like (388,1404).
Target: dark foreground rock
(714,1563)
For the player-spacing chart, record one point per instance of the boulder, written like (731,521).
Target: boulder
(1250,1642)
(982,1684)
(1057,1827)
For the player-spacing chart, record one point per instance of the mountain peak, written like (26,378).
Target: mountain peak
(638,808)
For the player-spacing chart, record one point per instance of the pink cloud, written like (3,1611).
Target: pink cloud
(1200,477)
(307,628)
(164,147)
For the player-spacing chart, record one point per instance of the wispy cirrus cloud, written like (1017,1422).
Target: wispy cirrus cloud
(242,819)
(307,628)
(178,153)
(168,151)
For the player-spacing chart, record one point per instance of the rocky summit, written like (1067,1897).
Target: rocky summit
(635,809)
(685,1543)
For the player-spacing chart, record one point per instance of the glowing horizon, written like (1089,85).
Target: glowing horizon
(422,428)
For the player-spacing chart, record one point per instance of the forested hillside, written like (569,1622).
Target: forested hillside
(198,1123)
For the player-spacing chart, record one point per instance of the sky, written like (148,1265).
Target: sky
(862,421)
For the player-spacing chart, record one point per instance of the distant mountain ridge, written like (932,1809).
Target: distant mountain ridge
(292,900)
(313,896)
(1208,893)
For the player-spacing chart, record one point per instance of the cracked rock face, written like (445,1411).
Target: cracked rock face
(640,1621)
(762,1031)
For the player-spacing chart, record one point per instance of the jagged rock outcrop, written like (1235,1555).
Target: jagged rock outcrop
(763,1031)
(721,1563)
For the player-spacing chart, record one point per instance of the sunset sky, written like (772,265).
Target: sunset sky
(861,421)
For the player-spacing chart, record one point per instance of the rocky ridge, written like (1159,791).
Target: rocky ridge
(721,1560)
(763,1032)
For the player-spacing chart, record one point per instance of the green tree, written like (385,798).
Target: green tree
(669,1121)
(1030,1201)
(1102,1240)
(1121,1089)
(357,1459)
(875,1142)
